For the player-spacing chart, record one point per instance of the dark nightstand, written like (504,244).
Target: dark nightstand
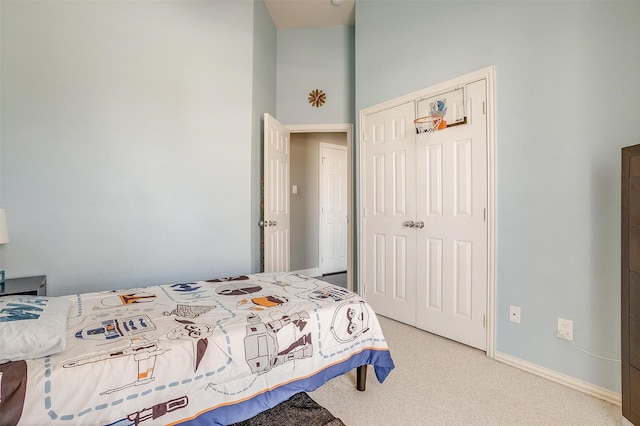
(35,286)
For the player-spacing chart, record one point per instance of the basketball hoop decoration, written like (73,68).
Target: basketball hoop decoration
(435,121)
(317,98)
(428,124)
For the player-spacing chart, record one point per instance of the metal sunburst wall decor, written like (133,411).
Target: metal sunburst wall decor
(317,98)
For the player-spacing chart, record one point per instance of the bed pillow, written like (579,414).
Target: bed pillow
(32,326)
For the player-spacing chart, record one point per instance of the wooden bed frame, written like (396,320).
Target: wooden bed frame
(361,378)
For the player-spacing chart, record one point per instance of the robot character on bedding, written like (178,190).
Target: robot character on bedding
(115,328)
(357,321)
(264,345)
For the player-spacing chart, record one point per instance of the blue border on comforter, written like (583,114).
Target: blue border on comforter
(228,414)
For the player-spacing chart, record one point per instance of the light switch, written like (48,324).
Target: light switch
(294,189)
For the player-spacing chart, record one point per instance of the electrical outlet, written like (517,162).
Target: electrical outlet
(514,314)
(565,329)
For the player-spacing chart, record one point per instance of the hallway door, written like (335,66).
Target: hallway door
(333,208)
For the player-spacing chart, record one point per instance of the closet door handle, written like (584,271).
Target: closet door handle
(420,224)
(409,224)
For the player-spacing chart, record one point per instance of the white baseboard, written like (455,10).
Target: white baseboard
(313,272)
(554,376)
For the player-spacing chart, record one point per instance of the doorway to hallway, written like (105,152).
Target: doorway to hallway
(316,228)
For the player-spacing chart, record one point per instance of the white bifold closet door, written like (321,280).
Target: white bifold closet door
(424,225)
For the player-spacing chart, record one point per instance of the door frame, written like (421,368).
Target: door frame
(487,74)
(321,193)
(346,128)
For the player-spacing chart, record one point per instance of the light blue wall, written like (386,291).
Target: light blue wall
(316,58)
(264,100)
(127,141)
(568,98)
(123,123)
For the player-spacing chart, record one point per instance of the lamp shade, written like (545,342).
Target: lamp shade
(4,234)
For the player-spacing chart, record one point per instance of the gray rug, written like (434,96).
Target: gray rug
(298,410)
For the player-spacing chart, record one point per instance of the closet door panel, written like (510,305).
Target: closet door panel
(451,173)
(433,260)
(389,204)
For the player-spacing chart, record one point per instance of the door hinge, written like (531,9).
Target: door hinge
(484,107)
(485,215)
(484,321)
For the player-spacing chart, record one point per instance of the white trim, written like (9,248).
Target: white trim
(348,129)
(488,74)
(554,376)
(320,128)
(492,187)
(446,86)
(313,272)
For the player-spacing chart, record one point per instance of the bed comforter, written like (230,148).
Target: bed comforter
(208,352)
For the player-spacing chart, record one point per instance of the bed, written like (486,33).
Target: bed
(208,352)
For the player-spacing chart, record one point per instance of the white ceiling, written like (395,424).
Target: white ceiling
(311,13)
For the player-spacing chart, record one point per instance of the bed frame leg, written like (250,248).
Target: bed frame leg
(361,378)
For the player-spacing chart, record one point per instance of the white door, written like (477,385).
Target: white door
(452,246)
(333,208)
(277,216)
(425,238)
(389,271)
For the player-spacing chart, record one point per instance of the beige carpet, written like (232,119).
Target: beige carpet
(440,382)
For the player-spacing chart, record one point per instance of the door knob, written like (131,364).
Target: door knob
(419,224)
(409,224)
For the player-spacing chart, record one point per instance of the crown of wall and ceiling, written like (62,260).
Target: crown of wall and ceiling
(311,13)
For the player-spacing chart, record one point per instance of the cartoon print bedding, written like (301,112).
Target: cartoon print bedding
(208,352)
